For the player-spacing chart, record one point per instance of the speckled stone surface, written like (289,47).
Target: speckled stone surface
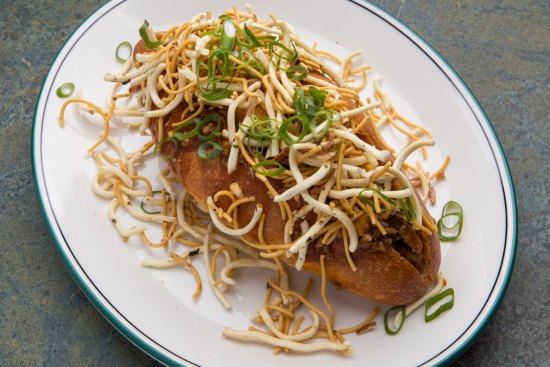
(500,48)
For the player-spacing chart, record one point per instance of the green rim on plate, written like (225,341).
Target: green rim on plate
(141,341)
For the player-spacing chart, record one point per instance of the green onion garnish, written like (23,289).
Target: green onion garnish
(212,92)
(320,117)
(275,172)
(448,229)
(379,193)
(223,56)
(444,307)
(259,129)
(122,47)
(153,193)
(209,150)
(407,209)
(65,90)
(148,36)
(216,93)
(297,72)
(252,61)
(253,40)
(308,113)
(211,118)
(302,104)
(228,35)
(370,201)
(171,143)
(292,54)
(292,122)
(401,309)
(309,105)
(317,96)
(188,133)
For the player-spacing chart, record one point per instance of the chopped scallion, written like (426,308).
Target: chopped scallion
(153,195)
(407,209)
(264,164)
(291,123)
(65,90)
(379,193)
(209,150)
(169,143)
(212,117)
(387,327)
(449,226)
(449,292)
(297,72)
(186,134)
(148,36)
(291,55)
(317,96)
(253,40)
(228,35)
(123,51)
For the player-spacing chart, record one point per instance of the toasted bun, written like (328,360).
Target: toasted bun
(202,178)
(383,275)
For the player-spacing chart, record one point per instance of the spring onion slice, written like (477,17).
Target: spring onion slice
(168,140)
(147,35)
(370,202)
(389,331)
(443,308)
(209,150)
(121,47)
(168,198)
(308,111)
(216,94)
(407,209)
(292,55)
(291,58)
(283,129)
(297,72)
(228,35)
(253,62)
(276,172)
(212,117)
(190,133)
(303,105)
(65,90)
(321,116)
(317,96)
(450,210)
(260,129)
(212,92)
(253,40)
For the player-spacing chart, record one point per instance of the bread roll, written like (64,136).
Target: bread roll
(393,269)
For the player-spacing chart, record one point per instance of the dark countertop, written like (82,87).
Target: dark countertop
(500,48)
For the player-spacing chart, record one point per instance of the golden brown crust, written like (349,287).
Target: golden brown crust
(203,178)
(383,276)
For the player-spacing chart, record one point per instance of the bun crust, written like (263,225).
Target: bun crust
(384,274)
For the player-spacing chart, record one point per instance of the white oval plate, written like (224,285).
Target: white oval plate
(153,308)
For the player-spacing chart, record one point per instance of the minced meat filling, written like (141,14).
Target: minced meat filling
(400,235)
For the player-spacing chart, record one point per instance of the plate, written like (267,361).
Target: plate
(153,308)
